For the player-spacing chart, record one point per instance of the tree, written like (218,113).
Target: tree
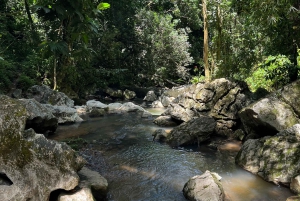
(205,42)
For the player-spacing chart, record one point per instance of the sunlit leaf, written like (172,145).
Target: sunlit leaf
(103,6)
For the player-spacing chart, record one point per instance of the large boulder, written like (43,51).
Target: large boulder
(204,187)
(195,130)
(274,158)
(34,165)
(179,112)
(43,94)
(131,107)
(267,116)
(39,117)
(290,94)
(221,99)
(64,114)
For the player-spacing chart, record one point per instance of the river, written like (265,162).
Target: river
(121,149)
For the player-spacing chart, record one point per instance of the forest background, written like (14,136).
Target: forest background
(79,46)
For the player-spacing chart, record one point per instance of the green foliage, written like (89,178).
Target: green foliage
(103,6)
(273,73)
(197,79)
(24,82)
(164,50)
(258,80)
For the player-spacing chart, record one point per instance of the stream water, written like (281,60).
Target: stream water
(138,169)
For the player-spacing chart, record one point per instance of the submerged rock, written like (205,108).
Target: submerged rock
(274,158)
(204,187)
(35,166)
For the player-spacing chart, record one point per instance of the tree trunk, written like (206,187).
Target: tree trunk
(54,74)
(205,42)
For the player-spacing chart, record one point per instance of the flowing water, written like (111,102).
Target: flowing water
(138,169)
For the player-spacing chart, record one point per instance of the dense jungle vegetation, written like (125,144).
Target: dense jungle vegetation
(76,46)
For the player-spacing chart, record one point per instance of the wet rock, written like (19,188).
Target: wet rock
(39,117)
(150,96)
(165,121)
(268,116)
(128,95)
(204,187)
(274,158)
(43,94)
(195,130)
(36,166)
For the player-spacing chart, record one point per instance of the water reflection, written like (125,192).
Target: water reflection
(139,169)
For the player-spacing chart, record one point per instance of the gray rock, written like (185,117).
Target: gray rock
(166,101)
(64,114)
(267,117)
(203,188)
(274,158)
(43,94)
(83,194)
(39,117)
(180,113)
(165,121)
(129,94)
(160,135)
(157,104)
(295,184)
(97,112)
(17,93)
(36,166)
(290,94)
(114,107)
(150,96)
(94,181)
(195,130)
(92,104)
